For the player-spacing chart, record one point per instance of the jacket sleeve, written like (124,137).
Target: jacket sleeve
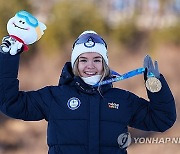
(32,105)
(157,114)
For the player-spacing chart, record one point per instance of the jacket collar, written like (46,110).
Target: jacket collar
(67,75)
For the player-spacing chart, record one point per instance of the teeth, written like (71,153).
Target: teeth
(90,73)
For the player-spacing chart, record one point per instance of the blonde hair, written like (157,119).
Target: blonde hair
(106,69)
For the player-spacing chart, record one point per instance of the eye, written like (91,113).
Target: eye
(20,21)
(97,60)
(23,22)
(83,60)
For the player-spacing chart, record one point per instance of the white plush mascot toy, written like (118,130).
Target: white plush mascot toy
(23,29)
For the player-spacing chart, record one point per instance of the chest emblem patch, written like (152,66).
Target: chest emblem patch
(73,103)
(113,105)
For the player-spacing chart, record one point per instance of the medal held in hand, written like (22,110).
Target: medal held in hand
(153,84)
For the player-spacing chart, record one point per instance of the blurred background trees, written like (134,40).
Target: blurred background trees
(67,21)
(118,20)
(8,10)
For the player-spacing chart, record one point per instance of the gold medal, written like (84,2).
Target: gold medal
(153,84)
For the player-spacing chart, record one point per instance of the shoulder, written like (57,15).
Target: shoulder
(63,89)
(123,94)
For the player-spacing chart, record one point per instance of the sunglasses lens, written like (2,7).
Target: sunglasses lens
(88,39)
(31,20)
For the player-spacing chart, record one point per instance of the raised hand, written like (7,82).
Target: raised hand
(148,64)
(11,45)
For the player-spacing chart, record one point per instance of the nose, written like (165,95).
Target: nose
(90,65)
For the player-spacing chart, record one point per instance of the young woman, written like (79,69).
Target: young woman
(83,119)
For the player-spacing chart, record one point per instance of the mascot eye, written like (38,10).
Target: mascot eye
(21,21)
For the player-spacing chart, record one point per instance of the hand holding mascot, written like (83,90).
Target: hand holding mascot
(23,29)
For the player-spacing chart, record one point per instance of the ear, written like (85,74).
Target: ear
(42,27)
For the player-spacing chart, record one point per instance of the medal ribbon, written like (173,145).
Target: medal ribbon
(124,76)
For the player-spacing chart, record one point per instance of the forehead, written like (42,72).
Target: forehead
(90,55)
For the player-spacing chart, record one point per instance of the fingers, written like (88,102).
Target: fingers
(6,44)
(156,69)
(145,74)
(152,69)
(19,45)
(146,66)
(11,45)
(15,48)
(148,63)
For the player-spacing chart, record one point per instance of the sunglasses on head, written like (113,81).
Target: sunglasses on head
(89,37)
(30,19)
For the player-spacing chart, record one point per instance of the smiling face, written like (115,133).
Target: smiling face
(90,64)
(19,27)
